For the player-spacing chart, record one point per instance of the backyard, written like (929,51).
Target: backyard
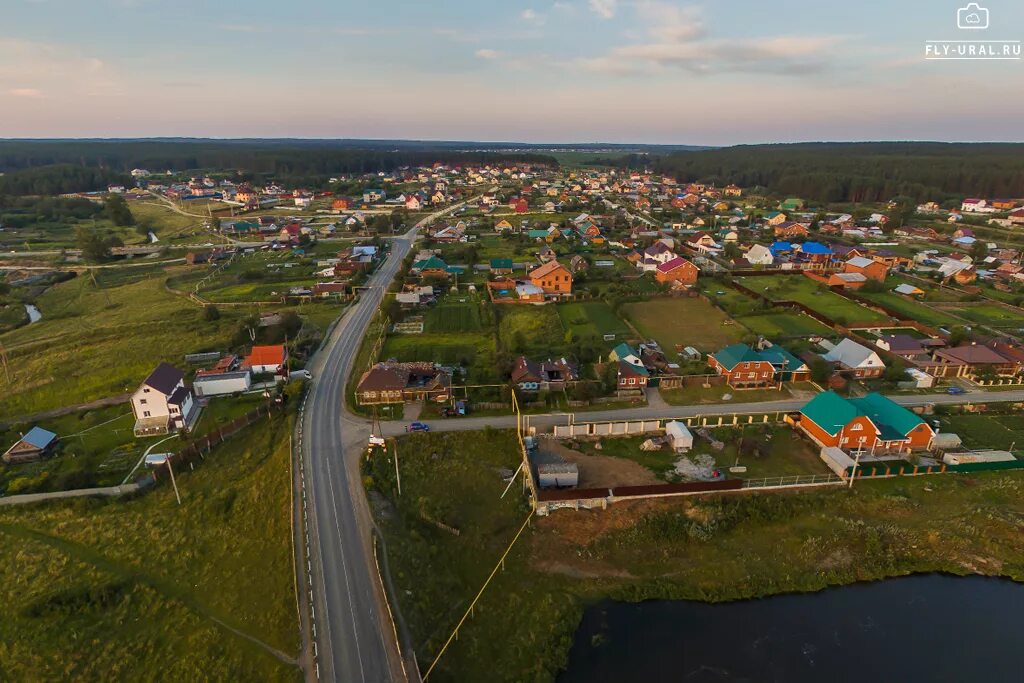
(681,322)
(813,295)
(594,318)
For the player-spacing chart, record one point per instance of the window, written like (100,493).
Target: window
(145,390)
(142,401)
(632,380)
(145,414)
(857,427)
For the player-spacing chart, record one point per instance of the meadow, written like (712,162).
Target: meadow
(813,295)
(142,589)
(593,318)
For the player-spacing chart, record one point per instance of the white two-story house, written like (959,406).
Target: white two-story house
(163,403)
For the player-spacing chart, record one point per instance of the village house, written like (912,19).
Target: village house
(906,347)
(547,375)
(501,266)
(163,403)
(759,255)
(969,360)
(391,382)
(855,360)
(553,278)
(677,270)
(790,230)
(34,445)
(869,268)
(266,360)
(871,423)
(744,366)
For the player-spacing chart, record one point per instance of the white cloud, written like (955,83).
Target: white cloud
(531,16)
(786,55)
(604,8)
(671,23)
(25,92)
(487,54)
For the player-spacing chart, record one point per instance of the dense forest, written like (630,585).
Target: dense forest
(55,166)
(857,172)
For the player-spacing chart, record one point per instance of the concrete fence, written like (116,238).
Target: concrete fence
(638,427)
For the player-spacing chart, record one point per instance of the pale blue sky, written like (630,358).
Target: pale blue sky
(730,71)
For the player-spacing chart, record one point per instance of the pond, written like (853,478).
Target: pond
(919,628)
(34,314)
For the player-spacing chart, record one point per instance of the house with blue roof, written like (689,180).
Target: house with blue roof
(746,366)
(780,249)
(34,445)
(816,252)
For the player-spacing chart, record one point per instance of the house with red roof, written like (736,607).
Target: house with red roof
(677,270)
(266,359)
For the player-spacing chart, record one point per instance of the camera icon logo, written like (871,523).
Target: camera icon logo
(972,17)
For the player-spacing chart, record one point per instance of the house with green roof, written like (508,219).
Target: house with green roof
(793,204)
(745,366)
(501,266)
(871,423)
(432,266)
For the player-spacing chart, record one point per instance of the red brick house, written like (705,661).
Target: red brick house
(869,268)
(677,270)
(869,423)
(553,278)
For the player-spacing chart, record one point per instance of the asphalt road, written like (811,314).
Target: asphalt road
(355,640)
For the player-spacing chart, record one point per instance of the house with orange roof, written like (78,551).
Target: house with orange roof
(266,359)
(552,277)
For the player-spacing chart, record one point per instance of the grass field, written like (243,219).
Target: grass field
(782,325)
(96,341)
(813,295)
(531,330)
(592,318)
(912,310)
(142,589)
(1000,432)
(989,314)
(474,351)
(708,548)
(686,322)
(454,314)
(168,225)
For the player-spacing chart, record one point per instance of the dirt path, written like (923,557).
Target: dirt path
(66,410)
(599,471)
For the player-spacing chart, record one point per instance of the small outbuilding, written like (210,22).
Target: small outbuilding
(679,437)
(34,445)
(558,475)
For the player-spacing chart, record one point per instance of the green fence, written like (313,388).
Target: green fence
(985,466)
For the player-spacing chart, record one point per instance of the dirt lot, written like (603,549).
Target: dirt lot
(599,470)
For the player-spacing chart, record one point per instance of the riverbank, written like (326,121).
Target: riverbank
(709,549)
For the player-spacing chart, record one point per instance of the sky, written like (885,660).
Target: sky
(629,71)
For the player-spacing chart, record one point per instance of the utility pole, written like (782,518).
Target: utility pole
(398,476)
(173,483)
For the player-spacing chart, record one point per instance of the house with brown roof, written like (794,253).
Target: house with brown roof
(553,278)
(973,359)
(790,229)
(392,382)
(547,375)
(677,270)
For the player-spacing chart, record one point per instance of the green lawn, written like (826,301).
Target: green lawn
(782,325)
(593,318)
(1000,432)
(142,589)
(989,314)
(454,314)
(684,322)
(475,351)
(530,330)
(910,309)
(813,295)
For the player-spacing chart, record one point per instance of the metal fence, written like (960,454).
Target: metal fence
(793,480)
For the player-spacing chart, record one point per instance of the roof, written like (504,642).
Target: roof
(164,378)
(832,412)
(852,355)
(908,289)
(39,437)
(733,355)
(860,262)
(974,354)
(815,248)
(546,269)
(266,355)
(677,262)
(432,263)
(501,263)
(850,277)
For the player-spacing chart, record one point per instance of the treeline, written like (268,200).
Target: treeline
(277,158)
(19,212)
(856,172)
(59,179)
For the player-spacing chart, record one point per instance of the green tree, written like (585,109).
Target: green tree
(95,245)
(118,211)
(979,250)
(820,370)
(210,313)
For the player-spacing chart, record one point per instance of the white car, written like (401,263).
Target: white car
(300,374)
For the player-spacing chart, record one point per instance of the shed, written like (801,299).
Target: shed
(679,436)
(837,460)
(35,444)
(558,475)
(945,441)
(975,457)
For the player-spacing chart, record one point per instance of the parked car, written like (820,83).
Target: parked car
(300,374)
(956,391)
(418,427)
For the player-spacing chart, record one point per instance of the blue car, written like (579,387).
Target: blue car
(956,391)
(418,427)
